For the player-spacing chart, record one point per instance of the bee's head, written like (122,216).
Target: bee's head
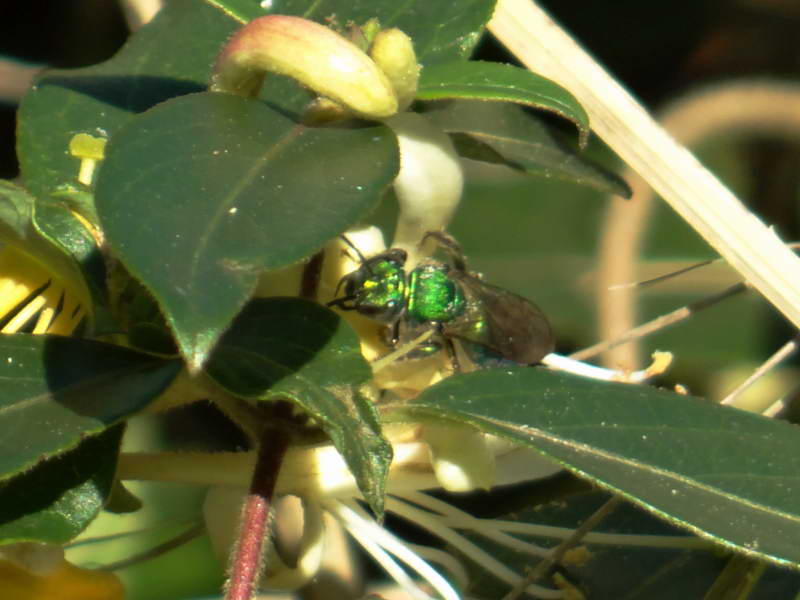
(377,289)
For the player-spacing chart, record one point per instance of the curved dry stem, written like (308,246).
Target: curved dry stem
(748,245)
(758,107)
(621,239)
(15,79)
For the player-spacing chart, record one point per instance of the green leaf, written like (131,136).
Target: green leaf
(479,80)
(611,562)
(202,193)
(723,473)
(56,222)
(53,236)
(60,390)
(287,348)
(441,31)
(504,134)
(57,499)
(170,56)
(49,230)
(16,209)
(121,500)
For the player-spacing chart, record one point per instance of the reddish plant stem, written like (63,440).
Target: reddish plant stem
(247,556)
(311,276)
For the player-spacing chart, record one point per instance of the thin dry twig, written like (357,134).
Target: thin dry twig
(708,206)
(15,79)
(755,107)
(782,354)
(661,322)
(176,542)
(558,553)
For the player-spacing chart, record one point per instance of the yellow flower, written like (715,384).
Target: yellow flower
(31,571)
(32,294)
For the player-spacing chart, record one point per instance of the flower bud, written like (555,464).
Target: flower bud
(34,571)
(317,57)
(393,51)
(460,457)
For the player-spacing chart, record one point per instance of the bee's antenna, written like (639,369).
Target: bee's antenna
(340,302)
(448,243)
(338,287)
(347,241)
(361,257)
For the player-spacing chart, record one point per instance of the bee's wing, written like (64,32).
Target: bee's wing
(504,322)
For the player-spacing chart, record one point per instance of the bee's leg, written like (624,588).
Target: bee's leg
(449,244)
(395,333)
(450,348)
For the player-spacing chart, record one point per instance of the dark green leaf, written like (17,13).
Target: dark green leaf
(22,217)
(59,390)
(479,80)
(58,498)
(16,208)
(502,133)
(278,345)
(441,31)
(202,193)
(49,233)
(56,222)
(287,348)
(170,56)
(610,562)
(723,473)
(121,500)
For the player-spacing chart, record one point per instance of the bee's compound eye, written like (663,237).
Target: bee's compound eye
(353,282)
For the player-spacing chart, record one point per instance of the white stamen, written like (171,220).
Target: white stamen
(570,365)
(446,560)
(388,564)
(361,526)
(433,525)
(594,537)
(486,527)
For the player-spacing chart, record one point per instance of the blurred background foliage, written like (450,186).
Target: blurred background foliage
(534,236)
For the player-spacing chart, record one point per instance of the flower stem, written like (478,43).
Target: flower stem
(247,557)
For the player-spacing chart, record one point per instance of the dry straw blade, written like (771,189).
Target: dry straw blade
(697,195)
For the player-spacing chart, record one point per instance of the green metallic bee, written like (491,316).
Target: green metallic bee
(493,326)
